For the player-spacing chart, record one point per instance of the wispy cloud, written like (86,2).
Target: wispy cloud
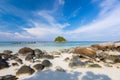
(105,26)
(5,36)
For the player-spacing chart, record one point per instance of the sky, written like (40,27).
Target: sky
(43,20)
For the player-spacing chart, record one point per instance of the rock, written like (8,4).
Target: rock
(45,52)
(76,63)
(13,57)
(67,59)
(118,48)
(115,58)
(46,63)
(30,57)
(88,62)
(8,77)
(85,51)
(7,52)
(38,67)
(97,59)
(15,64)
(55,53)
(19,60)
(3,64)
(38,53)
(94,66)
(5,56)
(25,70)
(71,50)
(48,56)
(58,68)
(37,60)
(25,50)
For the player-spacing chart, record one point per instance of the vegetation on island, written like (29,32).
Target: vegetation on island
(60,39)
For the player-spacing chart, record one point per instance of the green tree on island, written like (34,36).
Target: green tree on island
(60,39)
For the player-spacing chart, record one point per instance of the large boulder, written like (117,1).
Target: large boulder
(38,67)
(8,77)
(25,70)
(46,63)
(3,64)
(85,51)
(25,50)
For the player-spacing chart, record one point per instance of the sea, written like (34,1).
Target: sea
(44,45)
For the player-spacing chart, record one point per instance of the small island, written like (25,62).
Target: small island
(60,39)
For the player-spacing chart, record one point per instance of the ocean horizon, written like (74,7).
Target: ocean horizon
(43,45)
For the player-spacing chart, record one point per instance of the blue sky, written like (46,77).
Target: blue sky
(76,20)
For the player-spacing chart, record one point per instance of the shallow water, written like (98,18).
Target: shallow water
(44,45)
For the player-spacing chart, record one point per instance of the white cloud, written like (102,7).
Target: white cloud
(105,27)
(15,36)
(108,5)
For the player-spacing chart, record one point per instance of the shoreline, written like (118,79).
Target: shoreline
(80,62)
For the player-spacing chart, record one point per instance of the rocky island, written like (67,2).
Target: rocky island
(60,39)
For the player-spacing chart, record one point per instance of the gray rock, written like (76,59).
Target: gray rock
(75,63)
(38,53)
(25,70)
(30,57)
(38,67)
(94,66)
(5,56)
(48,56)
(58,68)
(19,60)
(46,63)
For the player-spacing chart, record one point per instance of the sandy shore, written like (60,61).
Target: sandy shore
(66,72)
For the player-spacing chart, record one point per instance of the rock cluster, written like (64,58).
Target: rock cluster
(81,57)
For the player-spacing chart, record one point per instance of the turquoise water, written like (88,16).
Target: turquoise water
(45,45)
